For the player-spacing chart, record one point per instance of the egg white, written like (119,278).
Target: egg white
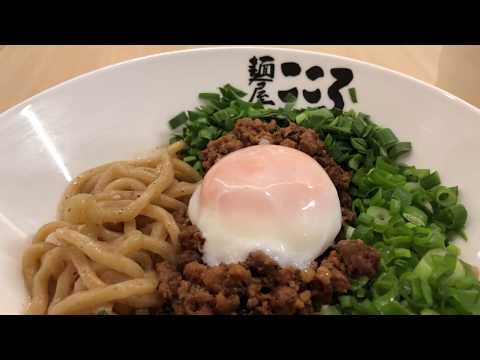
(297,219)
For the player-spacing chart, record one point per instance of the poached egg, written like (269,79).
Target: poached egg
(270,198)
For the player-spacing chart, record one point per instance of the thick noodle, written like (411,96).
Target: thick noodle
(114,223)
(87,299)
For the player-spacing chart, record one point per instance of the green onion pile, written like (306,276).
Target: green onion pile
(404,212)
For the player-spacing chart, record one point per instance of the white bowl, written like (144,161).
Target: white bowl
(121,111)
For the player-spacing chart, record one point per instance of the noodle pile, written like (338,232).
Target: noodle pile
(114,223)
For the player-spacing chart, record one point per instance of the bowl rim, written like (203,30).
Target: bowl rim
(396,73)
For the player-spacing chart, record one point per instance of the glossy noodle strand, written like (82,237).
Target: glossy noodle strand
(114,223)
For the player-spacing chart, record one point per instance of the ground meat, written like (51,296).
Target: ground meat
(209,290)
(248,132)
(348,216)
(219,148)
(168,281)
(340,177)
(359,259)
(193,300)
(258,285)
(190,238)
(181,217)
(309,142)
(252,131)
(345,198)
(187,256)
(330,278)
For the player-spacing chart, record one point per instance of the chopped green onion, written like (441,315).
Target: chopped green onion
(421,199)
(365,307)
(328,140)
(346,301)
(329,310)
(414,174)
(377,147)
(355,161)
(361,293)
(454,189)
(358,283)
(430,181)
(190,159)
(382,164)
(320,114)
(211,97)
(445,197)
(369,159)
(399,241)
(229,124)
(368,131)
(359,126)
(358,207)
(349,230)
(386,137)
(462,234)
(364,233)
(365,219)
(426,291)
(412,186)
(454,217)
(291,99)
(198,166)
(415,216)
(403,196)
(428,312)
(380,215)
(178,120)
(387,283)
(421,173)
(359,144)
(395,206)
(385,179)
(301,117)
(427,239)
(377,199)
(209,132)
(199,142)
(174,139)
(399,149)
(223,115)
(235,91)
(353,95)
(452,249)
(339,151)
(399,253)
